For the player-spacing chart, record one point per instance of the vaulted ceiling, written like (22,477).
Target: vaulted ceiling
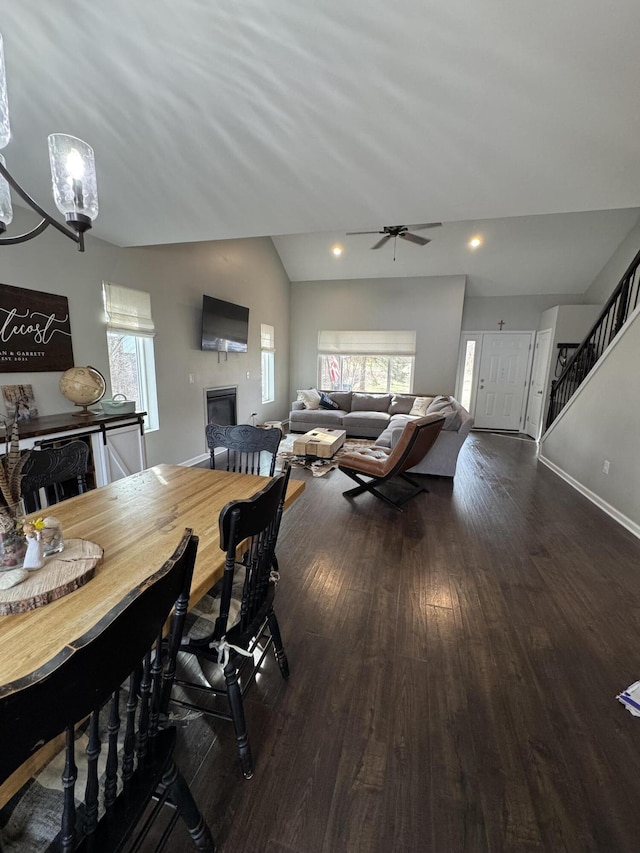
(302,120)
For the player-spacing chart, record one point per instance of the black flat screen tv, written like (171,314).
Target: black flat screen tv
(225,325)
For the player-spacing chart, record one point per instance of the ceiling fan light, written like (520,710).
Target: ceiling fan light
(73,174)
(5,130)
(6,209)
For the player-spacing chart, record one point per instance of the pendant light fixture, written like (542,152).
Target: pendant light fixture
(73,174)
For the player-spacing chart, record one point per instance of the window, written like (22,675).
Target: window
(467,373)
(468,369)
(130,332)
(373,361)
(267,346)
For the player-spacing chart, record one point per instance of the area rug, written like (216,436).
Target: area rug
(318,467)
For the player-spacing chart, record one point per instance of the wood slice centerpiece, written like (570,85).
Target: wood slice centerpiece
(61,574)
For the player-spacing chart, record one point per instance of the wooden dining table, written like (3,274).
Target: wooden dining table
(138,521)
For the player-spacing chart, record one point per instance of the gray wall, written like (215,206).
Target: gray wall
(609,277)
(432,306)
(602,424)
(520,313)
(245,271)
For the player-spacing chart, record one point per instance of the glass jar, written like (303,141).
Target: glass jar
(13,547)
(52,540)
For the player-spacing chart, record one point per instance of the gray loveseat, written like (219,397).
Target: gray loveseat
(383,417)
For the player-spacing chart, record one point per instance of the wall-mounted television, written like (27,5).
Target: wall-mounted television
(225,325)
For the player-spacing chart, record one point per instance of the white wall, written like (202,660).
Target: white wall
(247,271)
(432,306)
(601,423)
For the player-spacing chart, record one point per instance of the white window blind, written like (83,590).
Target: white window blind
(372,342)
(128,310)
(267,337)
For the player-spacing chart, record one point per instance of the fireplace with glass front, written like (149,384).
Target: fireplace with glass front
(221,406)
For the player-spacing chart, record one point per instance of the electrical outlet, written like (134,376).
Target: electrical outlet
(248,374)
(605,466)
(192,378)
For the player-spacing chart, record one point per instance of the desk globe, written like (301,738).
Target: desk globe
(83,386)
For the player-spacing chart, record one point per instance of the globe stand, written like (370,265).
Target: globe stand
(85,413)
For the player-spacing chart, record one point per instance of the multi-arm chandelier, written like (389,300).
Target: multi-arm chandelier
(73,173)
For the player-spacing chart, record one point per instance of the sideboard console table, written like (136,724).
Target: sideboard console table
(116,441)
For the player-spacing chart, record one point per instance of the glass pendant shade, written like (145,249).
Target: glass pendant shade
(6,210)
(5,130)
(73,173)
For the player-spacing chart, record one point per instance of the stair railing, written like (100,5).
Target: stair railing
(614,315)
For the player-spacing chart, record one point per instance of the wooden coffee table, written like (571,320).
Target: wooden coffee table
(321,443)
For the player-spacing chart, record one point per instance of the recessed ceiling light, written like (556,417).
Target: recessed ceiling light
(475,242)
(337,251)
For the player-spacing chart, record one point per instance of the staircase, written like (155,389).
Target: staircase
(614,315)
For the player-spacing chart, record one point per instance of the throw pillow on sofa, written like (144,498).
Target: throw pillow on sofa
(420,406)
(326,402)
(438,403)
(310,397)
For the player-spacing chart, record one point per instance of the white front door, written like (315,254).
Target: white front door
(535,406)
(502,380)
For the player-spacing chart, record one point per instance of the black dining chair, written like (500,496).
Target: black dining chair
(82,694)
(59,471)
(245,446)
(235,625)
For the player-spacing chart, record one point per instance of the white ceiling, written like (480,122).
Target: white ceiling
(316,117)
(556,253)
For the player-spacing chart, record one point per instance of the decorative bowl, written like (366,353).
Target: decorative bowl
(118,405)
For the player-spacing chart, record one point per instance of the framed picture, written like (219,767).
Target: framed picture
(19,399)
(35,333)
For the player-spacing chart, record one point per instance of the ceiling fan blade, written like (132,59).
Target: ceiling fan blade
(414,238)
(381,242)
(351,233)
(424,225)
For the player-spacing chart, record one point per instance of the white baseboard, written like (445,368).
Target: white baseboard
(615,514)
(196,460)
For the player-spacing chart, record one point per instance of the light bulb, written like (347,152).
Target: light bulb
(74,164)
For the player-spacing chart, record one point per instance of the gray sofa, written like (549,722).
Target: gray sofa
(383,417)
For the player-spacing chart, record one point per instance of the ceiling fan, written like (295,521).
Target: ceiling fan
(402,231)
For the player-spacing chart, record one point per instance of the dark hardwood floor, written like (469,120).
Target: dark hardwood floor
(453,675)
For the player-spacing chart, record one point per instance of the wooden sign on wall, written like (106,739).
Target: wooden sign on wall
(35,333)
